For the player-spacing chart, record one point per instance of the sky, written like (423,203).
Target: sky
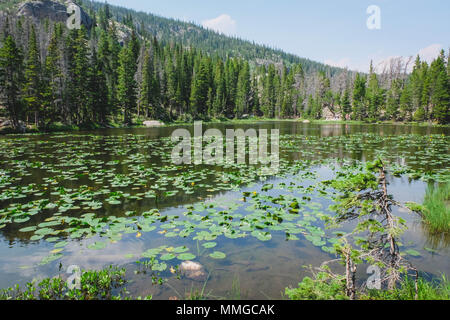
(329,31)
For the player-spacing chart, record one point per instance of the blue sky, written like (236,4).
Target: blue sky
(334,32)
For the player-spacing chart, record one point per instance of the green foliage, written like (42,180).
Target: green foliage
(11,79)
(91,77)
(437,207)
(94,285)
(321,287)
(427,290)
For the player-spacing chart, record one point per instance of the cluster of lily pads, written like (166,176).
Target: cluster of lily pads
(62,188)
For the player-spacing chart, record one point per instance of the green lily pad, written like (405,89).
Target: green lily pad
(186,256)
(209,245)
(27,229)
(97,245)
(167,256)
(218,255)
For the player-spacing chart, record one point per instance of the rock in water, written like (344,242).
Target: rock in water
(193,270)
(54,11)
(153,123)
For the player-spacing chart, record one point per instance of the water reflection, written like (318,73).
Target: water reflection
(263,269)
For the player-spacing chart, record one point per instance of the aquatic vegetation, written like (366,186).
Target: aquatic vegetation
(437,208)
(438,289)
(362,195)
(321,287)
(81,192)
(94,285)
(324,287)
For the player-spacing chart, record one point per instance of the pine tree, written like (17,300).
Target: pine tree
(173,86)
(243,91)
(269,93)
(393,100)
(220,99)
(32,88)
(345,104)
(11,79)
(78,84)
(287,94)
(231,79)
(98,91)
(126,88)
(254,99)
(417,87)
(145,90)
(200,89)
(359,98)
(406,103)
(52,82)
(440,96)
(374,96)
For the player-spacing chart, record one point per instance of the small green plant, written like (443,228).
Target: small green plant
(360,195)
(94,285)
(148,266)
(322,286)
(196,294)
(426,290)
(437,208)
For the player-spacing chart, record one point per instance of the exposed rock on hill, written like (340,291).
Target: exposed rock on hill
(54,11)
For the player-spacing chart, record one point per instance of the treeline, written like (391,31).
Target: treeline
(191,35)
(49,74)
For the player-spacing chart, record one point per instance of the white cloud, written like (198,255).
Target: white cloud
(223,24)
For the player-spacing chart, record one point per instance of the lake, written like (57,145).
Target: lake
(114,197)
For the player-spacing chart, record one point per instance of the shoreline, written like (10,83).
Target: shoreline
(139,124)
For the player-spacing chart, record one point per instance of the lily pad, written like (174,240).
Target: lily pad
(186,256)
(218,255)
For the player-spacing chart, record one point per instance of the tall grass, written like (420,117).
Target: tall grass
(437,208)
(427,290)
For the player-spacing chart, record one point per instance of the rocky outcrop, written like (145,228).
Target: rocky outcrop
(153,123)
(7,126)
(39,10)
(330,115)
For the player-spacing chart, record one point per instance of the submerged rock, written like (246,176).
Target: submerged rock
(193,270)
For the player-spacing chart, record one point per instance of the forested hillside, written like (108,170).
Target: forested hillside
(130,66)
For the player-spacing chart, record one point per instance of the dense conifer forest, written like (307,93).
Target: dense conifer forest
(130,65)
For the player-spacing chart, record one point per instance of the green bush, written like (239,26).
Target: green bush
(322,287)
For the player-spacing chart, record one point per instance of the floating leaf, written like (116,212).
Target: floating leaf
(412,252)
(167,256)
(217,255)
(209,245)
(186,256)
(27,229)
(97,245)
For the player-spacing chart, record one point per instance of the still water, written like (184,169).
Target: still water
(113,197)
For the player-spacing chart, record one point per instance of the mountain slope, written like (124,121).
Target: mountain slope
(192,35)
